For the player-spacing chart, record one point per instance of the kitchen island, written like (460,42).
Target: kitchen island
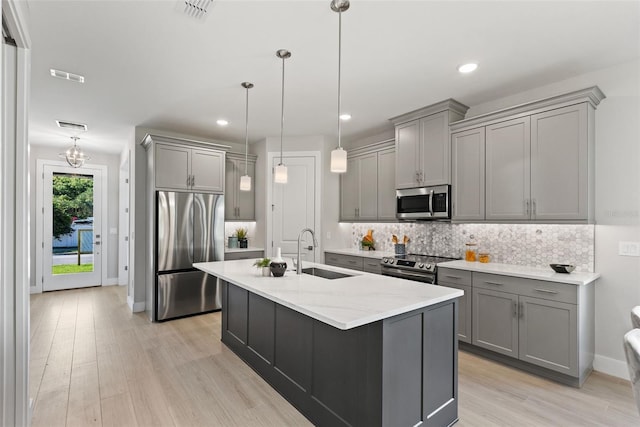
(363,350)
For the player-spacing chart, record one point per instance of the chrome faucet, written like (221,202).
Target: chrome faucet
(315,245)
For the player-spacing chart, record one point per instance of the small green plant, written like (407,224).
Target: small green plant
(264,262)
(241,233)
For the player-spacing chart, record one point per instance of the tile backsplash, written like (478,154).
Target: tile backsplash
(535,245)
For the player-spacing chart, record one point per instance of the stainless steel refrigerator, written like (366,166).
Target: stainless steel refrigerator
(189,228)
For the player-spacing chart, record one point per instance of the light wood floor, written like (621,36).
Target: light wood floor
(93,363)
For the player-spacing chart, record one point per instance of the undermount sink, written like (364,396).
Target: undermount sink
(326,274)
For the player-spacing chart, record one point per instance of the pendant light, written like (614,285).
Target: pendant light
(280,172)
(245,180)
(74,155)
(339,156)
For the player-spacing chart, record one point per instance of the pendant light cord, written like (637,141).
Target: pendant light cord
(282,111)
(339,75)
(246,131)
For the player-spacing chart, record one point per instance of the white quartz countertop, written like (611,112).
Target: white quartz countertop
(549,275)
(343,303)
(359,252)
(249,249)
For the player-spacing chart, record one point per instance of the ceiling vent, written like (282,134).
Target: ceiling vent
(66,75)
(70,125)
(196,8)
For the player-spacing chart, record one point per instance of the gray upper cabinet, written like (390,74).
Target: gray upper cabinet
(560,163)
(239,205)
(367,190)
(423,154)
(180,167)
(386,184)
(468,175)
(508,147)
(538,161)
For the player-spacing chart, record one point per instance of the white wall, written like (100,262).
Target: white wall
(112,161)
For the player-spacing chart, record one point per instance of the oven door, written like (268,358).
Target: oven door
(400,273)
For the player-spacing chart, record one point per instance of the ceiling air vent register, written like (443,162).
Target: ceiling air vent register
(196,8)
(70,125)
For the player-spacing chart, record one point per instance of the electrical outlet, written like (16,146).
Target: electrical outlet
(629,248)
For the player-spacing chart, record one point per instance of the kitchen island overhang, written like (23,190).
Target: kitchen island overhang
(365,350)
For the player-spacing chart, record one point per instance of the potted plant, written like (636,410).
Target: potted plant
(241,234)
(264,264)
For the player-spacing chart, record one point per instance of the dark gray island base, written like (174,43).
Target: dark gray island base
(399,371)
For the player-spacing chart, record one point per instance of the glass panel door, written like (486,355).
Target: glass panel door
(72,227)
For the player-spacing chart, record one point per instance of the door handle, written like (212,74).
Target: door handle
(309,248)
(96,243)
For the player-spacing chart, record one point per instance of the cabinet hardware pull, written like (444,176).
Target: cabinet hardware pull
(193,180)
(188,180)
(493,283)
(521,309)
(526,207)
(453,277)
(515,309)
(546,291)
(533,207)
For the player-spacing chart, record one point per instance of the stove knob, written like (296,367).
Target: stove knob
(421,265)
(385,260)
(391,261)
(428,266)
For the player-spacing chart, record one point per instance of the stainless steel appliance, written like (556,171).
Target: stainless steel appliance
(425,203)
(420,268)
(189,228)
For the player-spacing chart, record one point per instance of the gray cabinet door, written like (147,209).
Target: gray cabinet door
(468,174)
(464,311)
(560,163)
(349,186)
(548,334)
(207,170)
(368,187)
(230,205)
(495,321)
(407,154)
(246,200)
(508,179)
(172,167)
(386,184)
(434,149)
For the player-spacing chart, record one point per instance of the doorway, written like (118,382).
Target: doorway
(295,206)
(70,230)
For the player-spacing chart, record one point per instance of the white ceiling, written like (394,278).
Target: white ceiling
(148,64)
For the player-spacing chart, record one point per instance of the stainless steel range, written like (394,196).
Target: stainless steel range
(421,268)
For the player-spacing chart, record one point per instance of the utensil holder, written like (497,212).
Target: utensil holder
(400,249)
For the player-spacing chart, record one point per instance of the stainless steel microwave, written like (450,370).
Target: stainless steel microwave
(425,203)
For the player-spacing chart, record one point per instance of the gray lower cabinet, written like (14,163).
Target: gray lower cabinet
(344,261)
(546,324)
(400,371)
(372,265)
(248,254)
(459,279)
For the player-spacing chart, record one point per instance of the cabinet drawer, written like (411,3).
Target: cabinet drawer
(229,256)
(345,261)
(553,291)
(453,276)
(372,265)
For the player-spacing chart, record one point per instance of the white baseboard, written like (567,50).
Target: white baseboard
(135,307)
(609,366)
(112,281)
(34,290)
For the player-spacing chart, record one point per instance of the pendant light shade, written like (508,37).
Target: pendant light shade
(338,160)
(280,171)
(74,155)
(339,156)
(245,180)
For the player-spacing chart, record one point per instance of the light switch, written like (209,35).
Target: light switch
(629,248)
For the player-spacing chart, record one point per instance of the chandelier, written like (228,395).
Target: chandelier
(74,155)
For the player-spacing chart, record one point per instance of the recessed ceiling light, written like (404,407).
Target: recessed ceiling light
(345,116)
(66,75)
(467,68)
(222,122)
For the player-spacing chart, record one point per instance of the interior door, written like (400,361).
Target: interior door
(72,224)
(294,208)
